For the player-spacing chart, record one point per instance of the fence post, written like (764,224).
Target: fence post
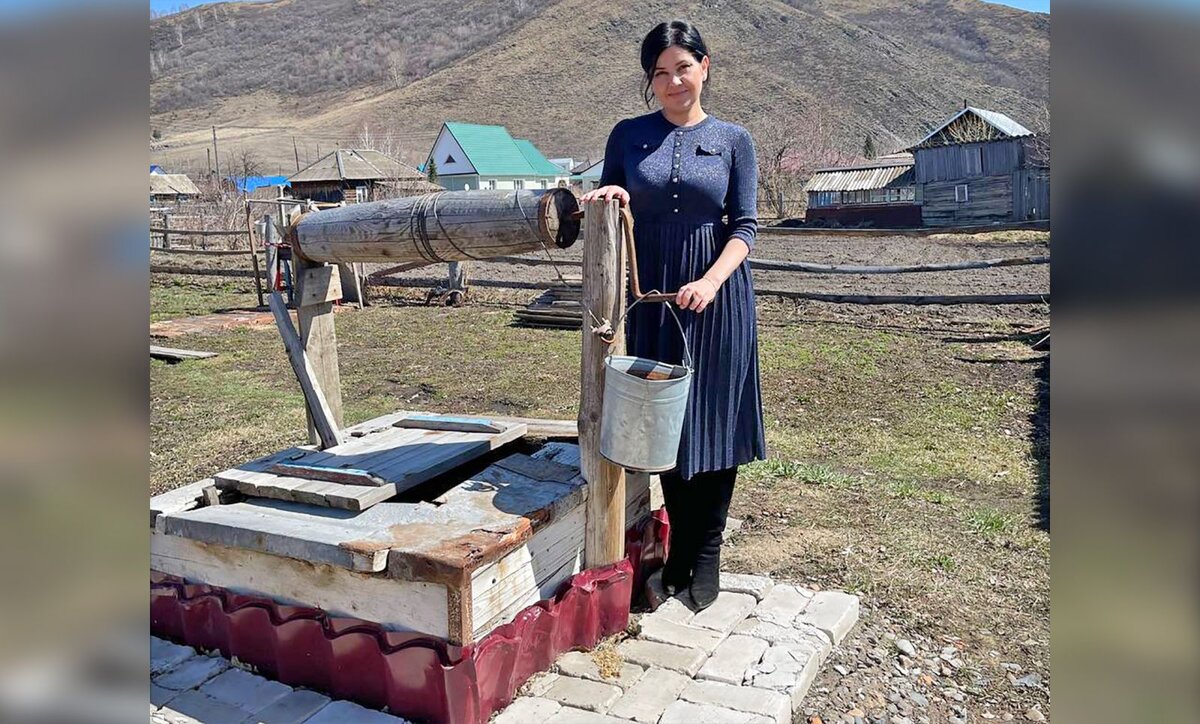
(604,295)
(253,255)
(166,231)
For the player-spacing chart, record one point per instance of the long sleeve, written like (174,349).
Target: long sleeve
(741,201)
(614,160)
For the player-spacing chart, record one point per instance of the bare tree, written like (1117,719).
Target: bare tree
(397,68)
(790,150)
(1039,145)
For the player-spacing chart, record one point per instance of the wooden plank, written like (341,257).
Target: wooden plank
(258,287)
(448,423)
(528,574)
(603,292)
(320,413)
(396,605)
(319,335)
(345,476)
(547,470)
(320,284)
(303,535)
(178,355)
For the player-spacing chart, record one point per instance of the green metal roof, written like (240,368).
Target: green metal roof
(541,165)
(493,152)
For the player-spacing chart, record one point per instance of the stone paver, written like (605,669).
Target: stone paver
(582,665)
(650,697)
(191,706)
(346,712)
(773,705)
(834,612)
(685,712)
(788,668)
(725,613)
(192,672)
(294,708)
(570,715)
(527,710)
(583,694)
(782,605)
(165,655)
(681,635)
(245,690)
(662,656)
(732,659)
(757,586)
(673,610)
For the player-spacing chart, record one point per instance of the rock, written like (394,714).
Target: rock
(919,699)
(841,669)
(1029,681)
(905,647)
(1035,714)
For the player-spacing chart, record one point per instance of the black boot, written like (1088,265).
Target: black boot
(712,492)
(677,572)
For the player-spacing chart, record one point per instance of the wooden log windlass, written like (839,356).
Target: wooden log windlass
(439,227)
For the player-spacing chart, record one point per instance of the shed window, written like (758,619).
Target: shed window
(960,194)
(519,184)
(360,194)
(491,184)
(543,183)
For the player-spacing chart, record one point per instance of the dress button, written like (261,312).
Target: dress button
(677,211)
(676,179)
(676,154)
(674,196)
(645,145)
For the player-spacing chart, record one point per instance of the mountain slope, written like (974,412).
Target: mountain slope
(564,71)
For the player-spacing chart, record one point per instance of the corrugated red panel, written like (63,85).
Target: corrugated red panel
(412,675)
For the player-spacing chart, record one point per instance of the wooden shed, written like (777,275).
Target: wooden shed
(979,168)
(356,176)
(171,188)
(879,193)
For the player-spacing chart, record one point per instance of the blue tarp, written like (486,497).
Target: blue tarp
(250,183)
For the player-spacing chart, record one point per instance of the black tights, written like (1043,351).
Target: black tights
(697,508)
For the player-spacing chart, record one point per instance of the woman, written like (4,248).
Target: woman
(680,170)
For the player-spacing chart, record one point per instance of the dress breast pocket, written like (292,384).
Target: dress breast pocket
(711,155)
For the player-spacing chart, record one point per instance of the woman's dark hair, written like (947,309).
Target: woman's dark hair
(663,36)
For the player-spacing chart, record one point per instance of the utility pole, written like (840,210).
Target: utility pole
(296,151)
(208,155)
(216,156)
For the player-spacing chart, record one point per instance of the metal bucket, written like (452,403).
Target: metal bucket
(642,419)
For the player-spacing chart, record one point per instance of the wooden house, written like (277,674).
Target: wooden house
(170,188)
(980,167)
(469,156)
(878,193)
(356,176)
(586,177)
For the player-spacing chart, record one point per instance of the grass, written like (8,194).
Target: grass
(895,469)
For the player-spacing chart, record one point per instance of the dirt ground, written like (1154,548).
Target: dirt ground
(908,447)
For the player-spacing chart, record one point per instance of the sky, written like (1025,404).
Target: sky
(1041,6)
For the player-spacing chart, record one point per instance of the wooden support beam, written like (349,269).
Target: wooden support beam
(319,335)
(253,256)
(319,413)
(320,284)
(604,294)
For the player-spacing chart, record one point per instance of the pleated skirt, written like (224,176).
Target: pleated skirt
(723,425)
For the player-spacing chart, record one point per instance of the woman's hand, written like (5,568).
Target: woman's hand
(697,295)
(607,193)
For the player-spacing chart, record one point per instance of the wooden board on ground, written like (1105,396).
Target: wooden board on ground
(170,354)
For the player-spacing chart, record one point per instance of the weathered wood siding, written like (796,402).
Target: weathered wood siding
(989,201)
(1031,194)
(968,160)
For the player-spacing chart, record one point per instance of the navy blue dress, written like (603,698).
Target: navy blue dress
(682,181)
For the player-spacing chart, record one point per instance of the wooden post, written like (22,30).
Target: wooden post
(319,413)
(253,255)
(166,231)
(351,291)
(604,295)
(318,334)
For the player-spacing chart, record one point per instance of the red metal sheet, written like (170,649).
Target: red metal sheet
(413,675)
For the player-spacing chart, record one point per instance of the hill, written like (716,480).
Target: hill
(562,72)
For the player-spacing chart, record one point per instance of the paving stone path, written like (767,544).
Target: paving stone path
(748,659)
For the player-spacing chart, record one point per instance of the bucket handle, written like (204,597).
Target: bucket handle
(689,363)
